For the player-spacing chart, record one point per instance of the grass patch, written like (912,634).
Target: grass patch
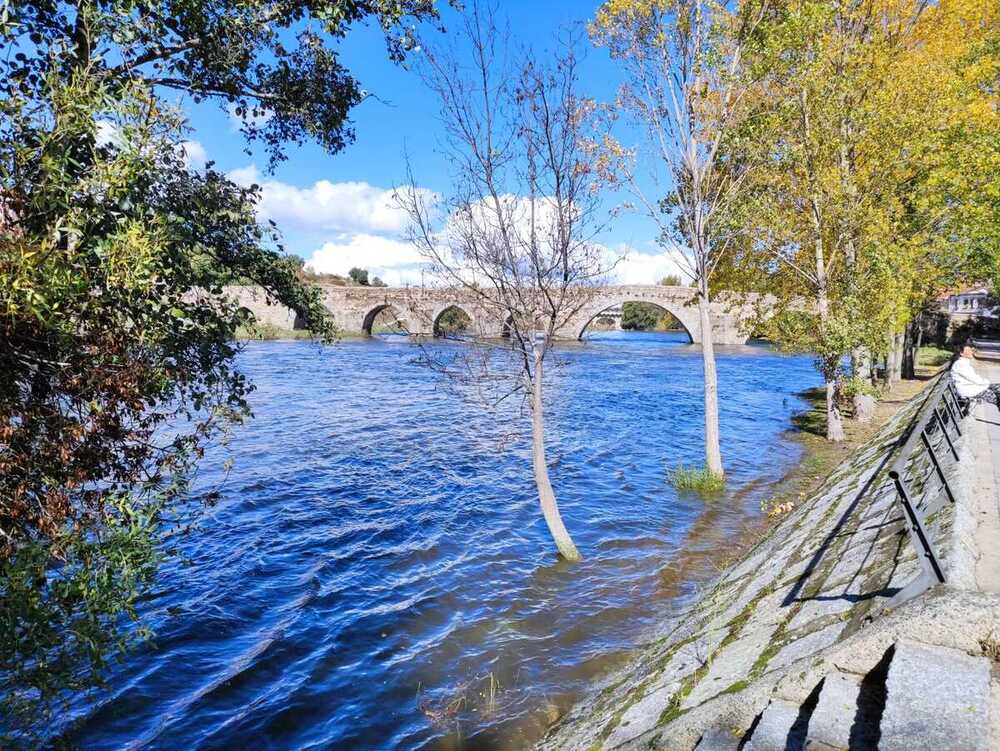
(812,420)
(264,331)
(933,357)
(697,479)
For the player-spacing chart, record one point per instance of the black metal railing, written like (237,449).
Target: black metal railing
(923,473)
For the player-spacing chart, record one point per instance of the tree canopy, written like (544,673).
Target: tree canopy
(274,64)
(875,149)
(116,335)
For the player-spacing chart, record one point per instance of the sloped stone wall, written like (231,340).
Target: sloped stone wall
(823,574)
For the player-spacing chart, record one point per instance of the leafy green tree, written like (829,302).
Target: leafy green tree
(453,321)
(671,280)
(273,64)
(645,316)
(116,336)
(358,276)
(637,316)
(870,164)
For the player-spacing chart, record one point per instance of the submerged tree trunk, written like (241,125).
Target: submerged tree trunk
(713,452)
(546,496)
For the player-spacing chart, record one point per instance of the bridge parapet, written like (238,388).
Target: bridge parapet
(354,309)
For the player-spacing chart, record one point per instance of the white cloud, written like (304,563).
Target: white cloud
(364,225)
(195,155)
(634,267)
(342,208)
(397,263)
(245,176)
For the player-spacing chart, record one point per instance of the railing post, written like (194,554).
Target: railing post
(953,413)
(928,561)
(937,465)
(955,397)
(944,429)
(937,407)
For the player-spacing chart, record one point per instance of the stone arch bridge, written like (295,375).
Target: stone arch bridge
(418,310)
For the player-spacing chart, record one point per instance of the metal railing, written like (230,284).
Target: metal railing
(920,472)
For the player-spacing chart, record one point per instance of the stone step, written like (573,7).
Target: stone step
(831,722)
(718,739)
(777,729)
(936,698)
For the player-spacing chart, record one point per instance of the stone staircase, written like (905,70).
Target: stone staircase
(918,698)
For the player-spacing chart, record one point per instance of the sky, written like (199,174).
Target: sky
(337,211)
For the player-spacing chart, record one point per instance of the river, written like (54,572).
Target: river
(377,574)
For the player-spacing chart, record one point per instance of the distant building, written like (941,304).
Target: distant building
(977,303)
(967,313)
(609,319)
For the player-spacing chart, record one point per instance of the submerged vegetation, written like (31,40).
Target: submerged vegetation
(697,479)
(265,331)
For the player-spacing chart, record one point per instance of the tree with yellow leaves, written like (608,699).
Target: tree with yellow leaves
(839,219)
(686,87)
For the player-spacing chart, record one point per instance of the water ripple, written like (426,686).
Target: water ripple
(376,560)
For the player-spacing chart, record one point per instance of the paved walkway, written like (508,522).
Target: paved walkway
(984,443)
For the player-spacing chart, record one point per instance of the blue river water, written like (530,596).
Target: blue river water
(377,574)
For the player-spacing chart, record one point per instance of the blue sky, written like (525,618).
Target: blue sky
(336,210)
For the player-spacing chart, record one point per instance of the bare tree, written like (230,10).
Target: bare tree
(516,230)
(685,86)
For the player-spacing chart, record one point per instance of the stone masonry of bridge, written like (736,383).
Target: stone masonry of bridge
(354,309)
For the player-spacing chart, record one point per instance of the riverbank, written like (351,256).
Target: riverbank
(804,629)
(820,457)
(269,332)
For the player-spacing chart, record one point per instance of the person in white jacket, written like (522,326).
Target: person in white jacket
(968,383)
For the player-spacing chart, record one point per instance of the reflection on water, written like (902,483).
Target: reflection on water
(378,576)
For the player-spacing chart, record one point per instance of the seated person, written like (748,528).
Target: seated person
(969,384)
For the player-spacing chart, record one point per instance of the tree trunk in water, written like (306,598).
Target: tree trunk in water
(834,422)
(713,452)
(546,496)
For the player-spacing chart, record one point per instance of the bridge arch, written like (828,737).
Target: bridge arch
(452,308)
(369,319)
(687,318)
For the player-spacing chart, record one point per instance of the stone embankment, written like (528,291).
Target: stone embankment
(808,642)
